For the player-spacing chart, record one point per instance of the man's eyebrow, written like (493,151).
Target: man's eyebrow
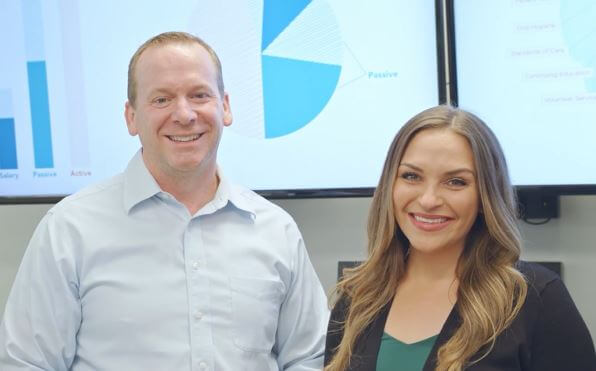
(167,90)
(159,91)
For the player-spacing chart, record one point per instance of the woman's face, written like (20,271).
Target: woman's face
(435,196)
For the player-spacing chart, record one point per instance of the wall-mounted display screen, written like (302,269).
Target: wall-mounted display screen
(528,67)
(317,88)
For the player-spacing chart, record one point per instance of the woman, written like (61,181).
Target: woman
(443,287)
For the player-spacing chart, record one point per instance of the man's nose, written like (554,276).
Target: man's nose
(183,112)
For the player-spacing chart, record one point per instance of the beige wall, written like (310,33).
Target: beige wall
(334,230)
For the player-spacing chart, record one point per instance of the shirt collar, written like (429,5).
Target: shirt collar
(227,193)
(140,185)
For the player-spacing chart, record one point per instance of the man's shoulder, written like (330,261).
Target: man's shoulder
(259,204)
(85,213)
(103,194)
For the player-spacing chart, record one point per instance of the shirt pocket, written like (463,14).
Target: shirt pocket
(255,310)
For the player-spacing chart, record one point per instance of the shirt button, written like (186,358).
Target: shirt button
(203,366)
(198,315)
(195,265)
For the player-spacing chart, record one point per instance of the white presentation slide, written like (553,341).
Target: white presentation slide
(528,68)
(317,88)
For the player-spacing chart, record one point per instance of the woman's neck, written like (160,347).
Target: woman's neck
(432,267)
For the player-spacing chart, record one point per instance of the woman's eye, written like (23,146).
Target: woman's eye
(457,182)
(409,176)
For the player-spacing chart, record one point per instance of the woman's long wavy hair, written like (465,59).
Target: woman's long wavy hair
(491,291)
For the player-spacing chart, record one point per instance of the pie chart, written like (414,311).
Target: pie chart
(300,59)
(578,29)
(281,60)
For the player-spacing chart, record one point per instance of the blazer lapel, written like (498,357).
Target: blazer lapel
(449,327)
(367,348)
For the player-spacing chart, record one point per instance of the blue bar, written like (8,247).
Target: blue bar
(40,114)
(8,144)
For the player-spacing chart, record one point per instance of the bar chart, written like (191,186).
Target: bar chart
(44,142)
(8,145)
(38,84)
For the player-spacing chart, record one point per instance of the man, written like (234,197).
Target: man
(167,266)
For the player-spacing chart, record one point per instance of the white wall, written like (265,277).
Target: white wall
(334,229)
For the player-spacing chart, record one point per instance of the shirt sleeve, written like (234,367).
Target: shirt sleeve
(42,314)
(300,338)
(561,340)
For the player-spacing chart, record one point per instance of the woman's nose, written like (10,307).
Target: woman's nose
(430,198)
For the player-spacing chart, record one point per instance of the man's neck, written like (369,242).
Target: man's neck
(193,189)
(194,194)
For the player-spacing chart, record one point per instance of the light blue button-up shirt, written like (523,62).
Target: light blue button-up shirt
(120,276)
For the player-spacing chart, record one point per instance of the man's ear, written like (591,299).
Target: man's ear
(227,119)
(129,116)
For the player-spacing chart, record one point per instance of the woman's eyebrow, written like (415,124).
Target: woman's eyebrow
(461,170)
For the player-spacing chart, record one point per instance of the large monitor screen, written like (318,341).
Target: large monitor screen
(317,88)
(528,67)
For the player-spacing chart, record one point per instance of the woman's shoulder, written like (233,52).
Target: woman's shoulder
(341,307)
(537,276)
(335,327)
(547,300)
(557,334)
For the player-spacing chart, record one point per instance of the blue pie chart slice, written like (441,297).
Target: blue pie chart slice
(295,92)
(278,14)
(300,63)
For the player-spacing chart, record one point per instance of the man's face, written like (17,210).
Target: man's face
(179,113)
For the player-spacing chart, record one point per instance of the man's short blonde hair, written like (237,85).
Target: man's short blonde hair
(165,39)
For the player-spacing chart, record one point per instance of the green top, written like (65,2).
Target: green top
(395,355)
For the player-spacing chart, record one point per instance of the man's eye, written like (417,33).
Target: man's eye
(160,101)
(201,96)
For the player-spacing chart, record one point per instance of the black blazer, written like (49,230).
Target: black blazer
(547,334)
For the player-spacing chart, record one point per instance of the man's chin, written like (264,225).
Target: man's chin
(190,166)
